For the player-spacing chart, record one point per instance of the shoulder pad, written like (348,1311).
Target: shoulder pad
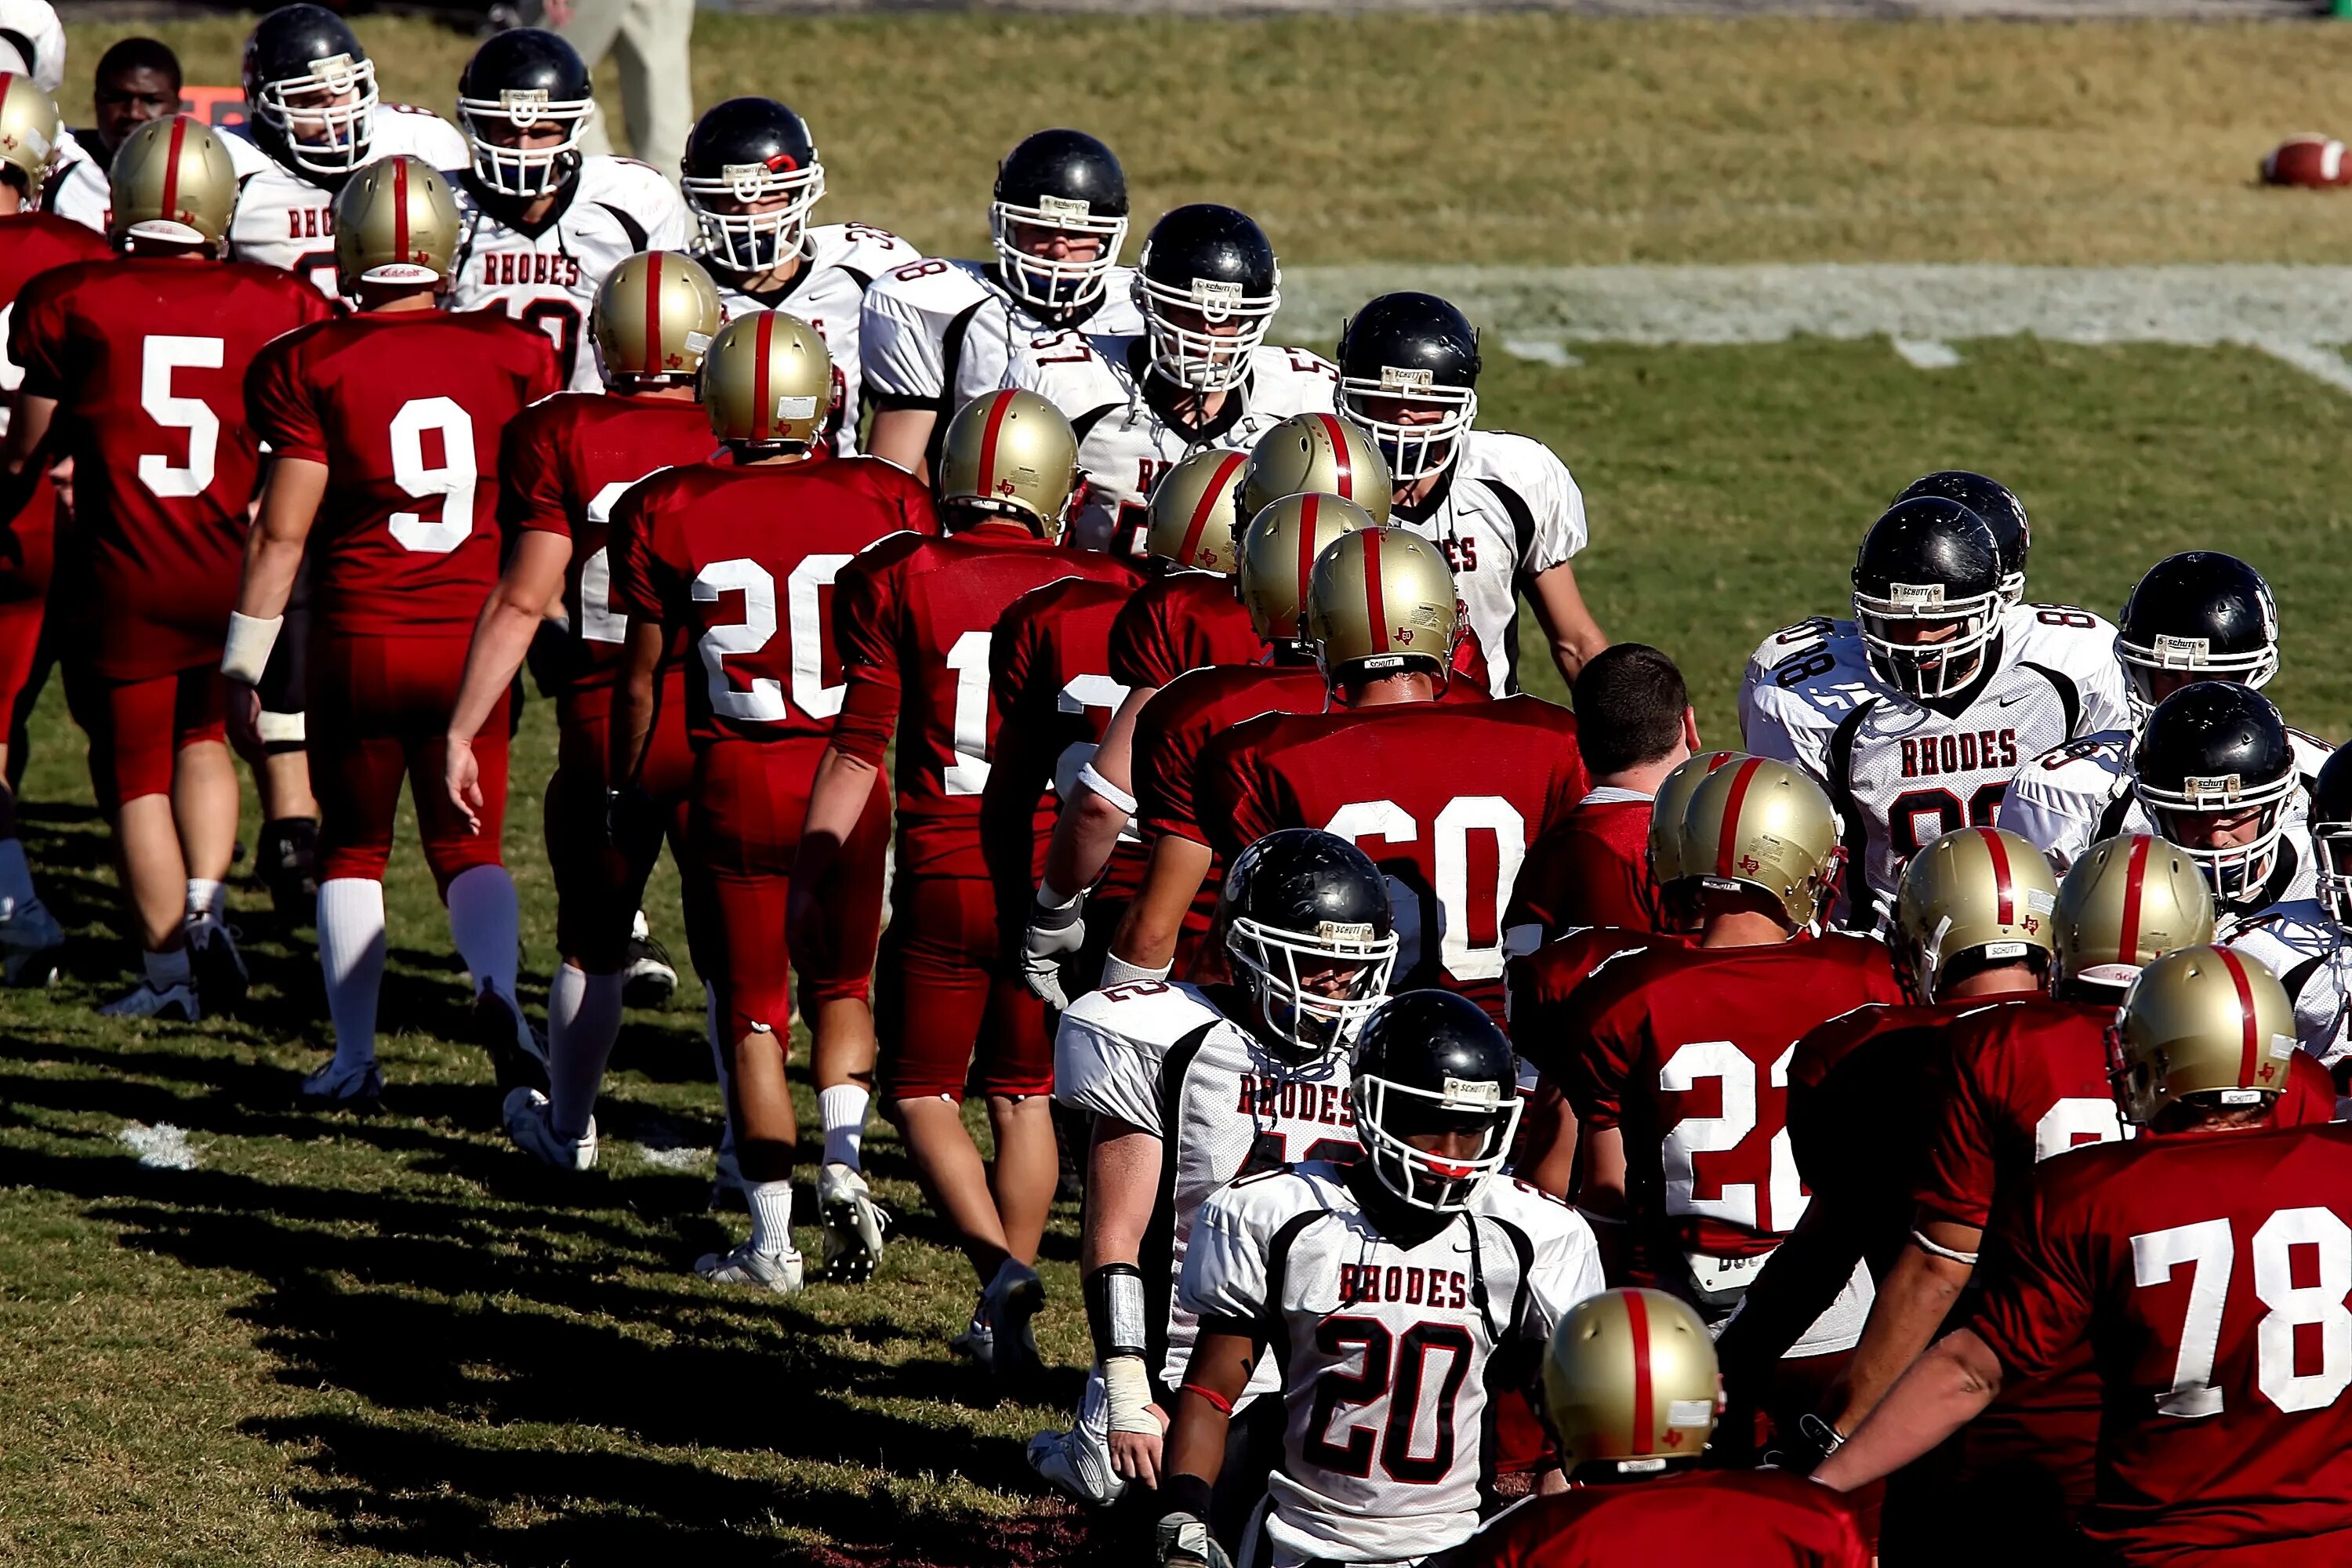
(864,248)
(1150,1015)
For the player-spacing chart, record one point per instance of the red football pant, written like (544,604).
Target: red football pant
(137,728)
(379,709)
(744,831)
(598,885)
(27,560)
(950,1015)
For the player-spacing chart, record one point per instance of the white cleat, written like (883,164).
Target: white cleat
(648,979)
(978,1340)
(332,1088)
(28,937)
(530,1120)
(854,1224)
(1077,1463)
(778,1271)
(221,975)
(1011,1299)
(176,1003)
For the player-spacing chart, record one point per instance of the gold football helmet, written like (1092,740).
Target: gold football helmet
(28,131)
(654,318)
(1763,826)
(1319,452)
(1629,1381)
(1011,454)
(2202,1025)
(1278,556)
(1381,601)
(1195,518)
(1667,812)
(2124,904)
(767,380)
(395,222)
(1976,892)
(172,182)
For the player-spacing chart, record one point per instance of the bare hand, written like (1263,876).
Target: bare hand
(1136,1454)
(244,718)
(559,13)
(462,776)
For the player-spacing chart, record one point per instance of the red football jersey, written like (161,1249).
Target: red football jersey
(1593,869)
(1444,796)
(1695,1518)
(406,409)
(915,626)
(1180,621)
(1688,1050)
(1540,982)
(741,558)
(2211,1273)
(31,244)
(565,463)
(146,357)
(1049,677)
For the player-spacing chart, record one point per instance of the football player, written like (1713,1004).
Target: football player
(1384,766)
(1630,1386)
(1362,1280)
(138,80)
(2215,772)
(2301,941)
(544,222)
(913,623)
(2201,615)
(1953,688)
(687,542)
(2186,1259)
(1502,507)
(563,464)
(1212,1084)
(1200,373)
(384,426)
(751,178)
(31,243)
(166,479)
(936,334)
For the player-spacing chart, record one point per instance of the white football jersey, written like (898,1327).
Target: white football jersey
(285,218)
(1505,509)
(943,333)
(2297,941)
(1384,1347)
(1125,443)
(548,276)
(838,262)
(2064,802)
(77,190)
(1901,773)
(1163,1058)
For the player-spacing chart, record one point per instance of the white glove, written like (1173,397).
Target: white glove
(1056,932)
(1184,1541)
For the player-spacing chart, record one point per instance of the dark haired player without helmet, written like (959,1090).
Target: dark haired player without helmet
(138,80)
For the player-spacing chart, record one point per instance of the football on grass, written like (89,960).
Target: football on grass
(2306,160)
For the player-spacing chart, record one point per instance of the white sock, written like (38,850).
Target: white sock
(485,924)
(842,1110)
(165,970)
(772,1216)
(207,899)
(351,953)
(584,1016)
(16,878)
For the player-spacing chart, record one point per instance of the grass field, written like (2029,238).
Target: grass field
(396,1340)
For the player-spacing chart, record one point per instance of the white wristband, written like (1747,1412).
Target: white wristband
(1126,1392)
(1116,970)
(282,728)
(247,653)
(1108,790)
(1949,1255)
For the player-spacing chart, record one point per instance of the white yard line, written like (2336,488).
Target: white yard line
(161,1147)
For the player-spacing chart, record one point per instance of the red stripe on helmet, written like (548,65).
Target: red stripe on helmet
(2248,1033)
(652,314)
(1376,611)
(1727,837)
(171,213)
(1309,506)
(1645,1413)
(996,412)
(1343,476)
(2135,872)
(1220,491)
(400,209)
(763,407)
(2004,890)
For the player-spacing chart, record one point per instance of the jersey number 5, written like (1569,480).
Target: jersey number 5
(159,356)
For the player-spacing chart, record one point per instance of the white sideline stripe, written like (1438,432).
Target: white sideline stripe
(2282,311)
(161,1147)
(1927,353)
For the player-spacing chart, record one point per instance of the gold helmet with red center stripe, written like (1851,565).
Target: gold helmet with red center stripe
(2124,904)
(28,131)
(1760,825)
(1320,452)
(1195,518)
(172,182)
(1629,1383)
(395,222)
(654,318)
(1381,602)
(1278,556)
(767,380)
(1666,814)
(1010,454)
(1974,898)
(2205,1026)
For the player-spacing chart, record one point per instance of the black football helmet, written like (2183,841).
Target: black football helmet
(522,82)
(1064,182)
(751,175)
(2001,510)
(2198,615)
(2217,749)
(1410,351)
(1430,1061)
(1208,287)
(1928,565)
(1299,906)
(2331,836)
(310,89)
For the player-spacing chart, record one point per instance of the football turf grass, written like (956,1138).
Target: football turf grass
(398,1338)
